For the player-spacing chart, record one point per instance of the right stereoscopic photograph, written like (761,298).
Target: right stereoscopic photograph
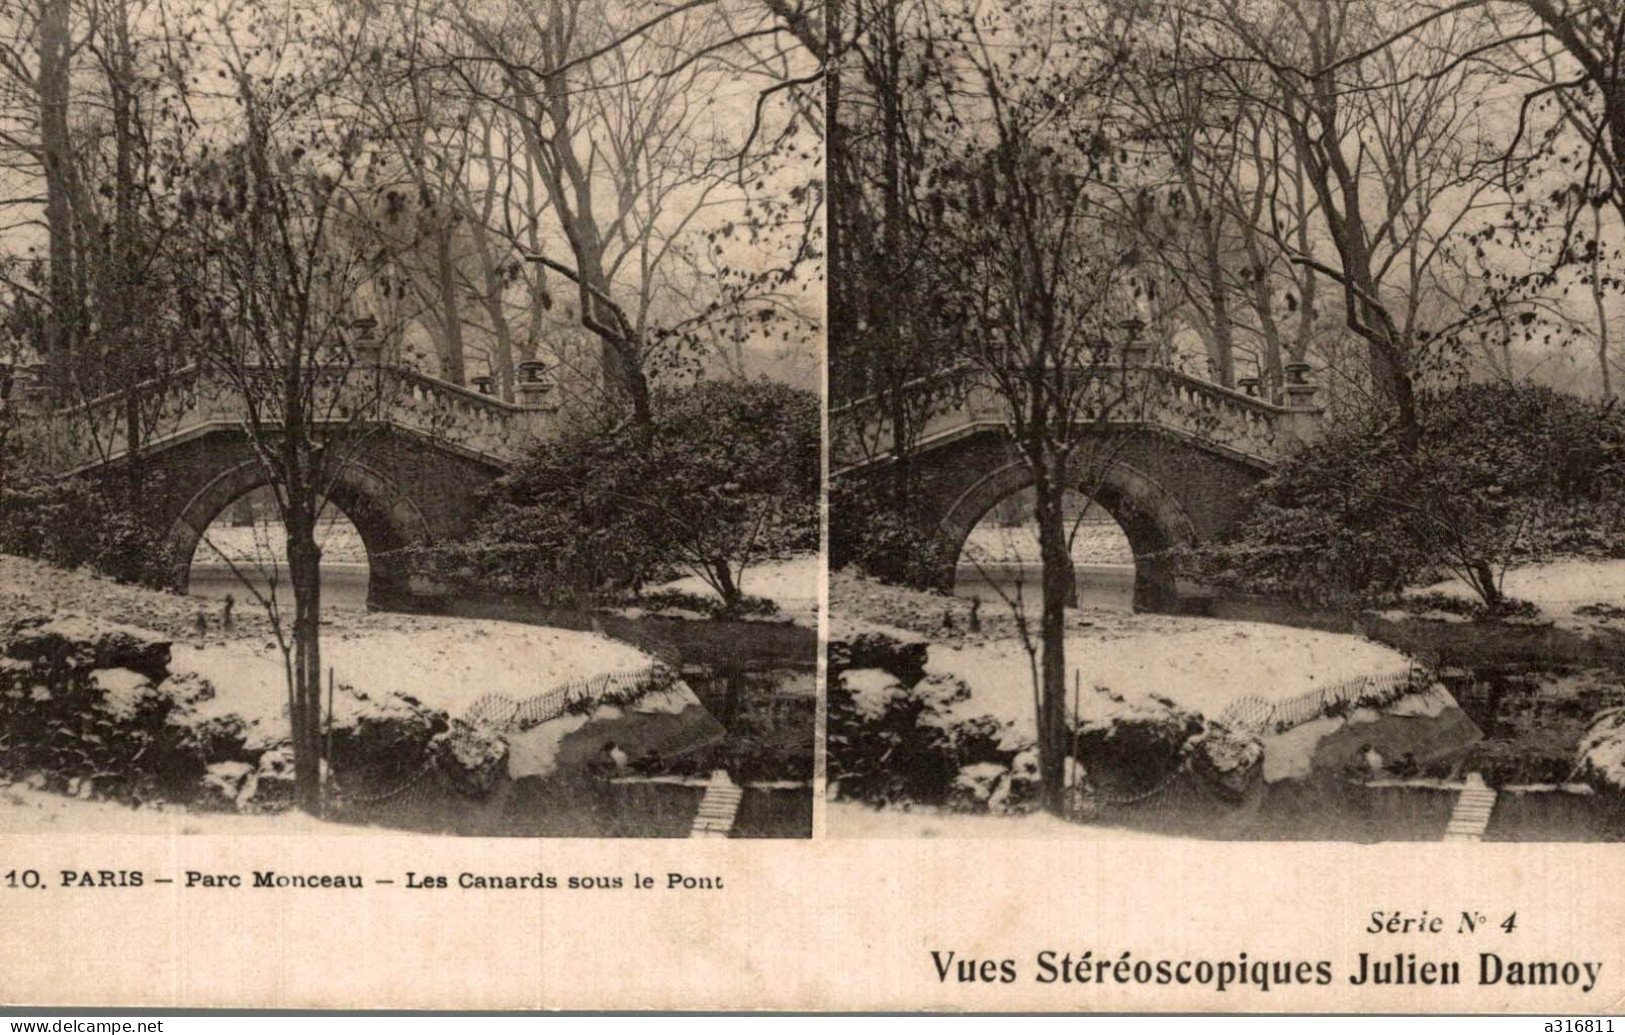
(1223,421)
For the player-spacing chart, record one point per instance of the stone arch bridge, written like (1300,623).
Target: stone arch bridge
(416,452)
(1168,460)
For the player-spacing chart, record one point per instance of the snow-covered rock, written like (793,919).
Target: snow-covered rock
(474,757)
(75,642)
(380,738)
(1132,742)
(228,785)
(872,690)
(274,777)
(186,688)
(974,785)
(860,645)
(1227,759)
(123,691)
(1020,790)
(1601,760)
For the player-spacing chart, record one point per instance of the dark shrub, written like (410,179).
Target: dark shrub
(1503,473)
(72,522)
(727,476)
(867,532)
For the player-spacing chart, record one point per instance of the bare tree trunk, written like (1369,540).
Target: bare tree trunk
(502,365)
(1224,350)
(1269,328)
(725,582)
(451,359)
(1058,582)
(1488,588)
(61,316)
(1598,300)
(304,571)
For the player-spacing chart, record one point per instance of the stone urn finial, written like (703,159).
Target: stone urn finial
(533,384)
(1135,352)
(368,349)
(1300,394)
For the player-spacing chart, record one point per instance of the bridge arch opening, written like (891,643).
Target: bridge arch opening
(1001,559)
(1125,525)
(248,540)
(365,517)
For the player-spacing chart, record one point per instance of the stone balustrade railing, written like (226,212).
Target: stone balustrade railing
(193,401)
(1122,395)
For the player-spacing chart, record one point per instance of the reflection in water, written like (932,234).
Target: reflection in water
(254,538)
(344,586)
(1106,587)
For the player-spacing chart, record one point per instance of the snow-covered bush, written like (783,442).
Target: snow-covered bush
(1502,473)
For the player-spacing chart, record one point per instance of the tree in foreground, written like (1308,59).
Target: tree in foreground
(1040,290)
(267,225)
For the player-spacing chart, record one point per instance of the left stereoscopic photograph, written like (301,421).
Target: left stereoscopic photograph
(410,416)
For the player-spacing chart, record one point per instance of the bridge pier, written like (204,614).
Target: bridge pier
(1156,589)
(389,584)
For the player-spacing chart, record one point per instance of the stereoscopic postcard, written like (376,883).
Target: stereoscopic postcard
(908,505)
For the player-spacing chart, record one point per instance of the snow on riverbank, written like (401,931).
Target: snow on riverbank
(1092,543)
(1202,665)
(1556,587)
(791,583)
(32,587)
(445,664)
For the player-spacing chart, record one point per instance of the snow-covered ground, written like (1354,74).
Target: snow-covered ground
(849,819)
(1556,587)
(27,811)
(30,587)
(1202,665)
(791,583)
(446,664)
